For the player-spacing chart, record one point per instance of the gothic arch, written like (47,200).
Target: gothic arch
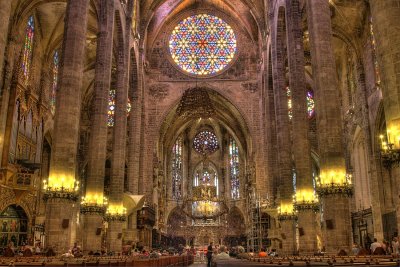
(226,113)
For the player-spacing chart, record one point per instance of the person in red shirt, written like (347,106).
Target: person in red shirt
(262,253)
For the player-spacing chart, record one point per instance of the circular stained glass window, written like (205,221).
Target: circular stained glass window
(202,44)
(205,142)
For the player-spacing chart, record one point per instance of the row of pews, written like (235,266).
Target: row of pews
(98,261)
(312,261)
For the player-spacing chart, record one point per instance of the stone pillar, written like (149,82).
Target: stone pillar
(93,203)
(46,86)
(305,201)
(385,19)
(61,192)
(287,217)
(376,196)
(5,13)
(333,185)
(114,235)
(135,121)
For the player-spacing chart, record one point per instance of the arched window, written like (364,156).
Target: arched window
(202,44)
(289,102)
(310,103)
(28,47)
(234,168)
(374,57)
(111,108)
(54,83)
(206,176)
(177,169)
(294,177)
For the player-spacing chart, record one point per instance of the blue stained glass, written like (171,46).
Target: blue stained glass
(177,169)
(28,47)
(54,83)
(202,44)
(234,168)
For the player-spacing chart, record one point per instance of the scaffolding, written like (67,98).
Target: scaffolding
(259,223)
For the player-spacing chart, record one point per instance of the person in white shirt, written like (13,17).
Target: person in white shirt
(395,246)
(223,255)
(375,245)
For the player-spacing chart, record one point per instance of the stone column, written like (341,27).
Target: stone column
(46,85)
(286,216)
(305,201)
(333,186)
(116,212)
(135,121)
(376,196)
(385,19)
(5,13)
(93,203)
(61,192)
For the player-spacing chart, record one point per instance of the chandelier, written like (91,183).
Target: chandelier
(390,154)
(204,203)
(195,104)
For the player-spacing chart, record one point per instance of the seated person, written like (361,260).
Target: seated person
(154,254)
(223,255)
(242,254)
(262,253)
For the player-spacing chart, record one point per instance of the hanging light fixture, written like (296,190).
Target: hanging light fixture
(195,104)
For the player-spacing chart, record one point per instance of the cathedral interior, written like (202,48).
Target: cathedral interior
(164,123)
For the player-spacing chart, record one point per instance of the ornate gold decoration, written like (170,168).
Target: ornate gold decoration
(196,103)
(204,203)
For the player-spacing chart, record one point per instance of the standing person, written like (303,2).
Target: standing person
(355,249)
(395,246)
(201,255)
(209,254)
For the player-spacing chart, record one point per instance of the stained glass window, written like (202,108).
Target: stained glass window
(54,83)
(289,102)
(310,103)
(28,46)
(111,107)
(206,176)
(205,142)
(374,57)
(234,168)
(177,169)
(202,44)
(294,177)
